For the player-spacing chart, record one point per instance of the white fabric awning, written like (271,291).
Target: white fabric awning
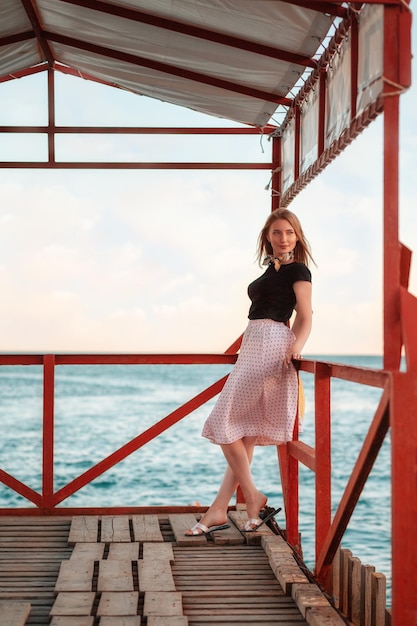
(235,59)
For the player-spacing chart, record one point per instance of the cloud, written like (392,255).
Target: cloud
(160,260)
(113,265)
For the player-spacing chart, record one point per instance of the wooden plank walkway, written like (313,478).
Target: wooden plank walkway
(31,551)
(141,570)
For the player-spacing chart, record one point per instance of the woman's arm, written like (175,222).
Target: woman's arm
(303,317)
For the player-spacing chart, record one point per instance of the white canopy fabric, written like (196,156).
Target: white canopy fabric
(234,59)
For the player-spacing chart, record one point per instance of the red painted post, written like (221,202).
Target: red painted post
(276,181)
(354,52)
(392,328)
(297,146)
(51,116)
(322,112)
(289,480)
(48,430)
(323,453)
(404,499)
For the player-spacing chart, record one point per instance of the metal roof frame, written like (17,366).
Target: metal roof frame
(400,307)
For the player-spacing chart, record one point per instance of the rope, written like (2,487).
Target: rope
(400,89)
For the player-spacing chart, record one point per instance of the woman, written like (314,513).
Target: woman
(258,404)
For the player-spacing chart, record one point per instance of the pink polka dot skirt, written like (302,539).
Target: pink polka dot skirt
(261,394)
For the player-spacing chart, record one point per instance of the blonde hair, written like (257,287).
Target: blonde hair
(302,252)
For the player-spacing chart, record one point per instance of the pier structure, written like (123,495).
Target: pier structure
(367,49)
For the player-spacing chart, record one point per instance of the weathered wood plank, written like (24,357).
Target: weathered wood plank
(115,528)
(124,551)
(336,579)
(155,576)
(162,603)
(68,620)
(378,598)
(119,603)
(158,552)
(88,551)
(229,537)
(366,594)
(308,595)
(129,620)
(83,528)
(239,619)
(355,591)
(239,518)
(158,620)
(73,603)
(14,613)
(324,616)
(115,576)
(179,524)
(146,528)
(345,556)
(282,562)
(75,576)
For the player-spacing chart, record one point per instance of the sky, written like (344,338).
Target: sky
(159,261)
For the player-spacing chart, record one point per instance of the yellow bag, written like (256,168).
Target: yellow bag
(301,398)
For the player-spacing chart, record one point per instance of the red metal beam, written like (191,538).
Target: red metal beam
(308,3)
(194,31)
(122,165)
(17,37)
(51,116)
(323,453)
(304,453)
(108,510)
(48,429)
(289,480)
(123,359)
(140,130)
(138,441)
(404,499)
(26,72)
(354,374)
(166,68)
(32,13)
(405,265)
(276,177)
(20,488)
(392,326)
(322,112)
(409,329)
(354,66)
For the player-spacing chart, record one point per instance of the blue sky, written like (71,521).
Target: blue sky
(143,261)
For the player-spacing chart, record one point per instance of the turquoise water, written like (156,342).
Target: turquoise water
(100,408)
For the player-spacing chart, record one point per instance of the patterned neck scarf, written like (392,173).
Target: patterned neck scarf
(277,260)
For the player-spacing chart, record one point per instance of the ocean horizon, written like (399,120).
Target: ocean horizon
(99,408)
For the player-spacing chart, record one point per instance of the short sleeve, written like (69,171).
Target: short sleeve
(301,272)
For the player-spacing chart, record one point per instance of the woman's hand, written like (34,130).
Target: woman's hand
(293,355)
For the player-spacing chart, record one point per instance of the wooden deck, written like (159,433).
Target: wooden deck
(141,570)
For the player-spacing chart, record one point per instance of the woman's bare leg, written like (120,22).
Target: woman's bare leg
(217,513)
(238,461)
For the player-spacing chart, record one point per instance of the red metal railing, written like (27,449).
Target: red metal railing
(397,408)
(329,532)
(47,500)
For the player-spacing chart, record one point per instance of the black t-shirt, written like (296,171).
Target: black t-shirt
(272,294)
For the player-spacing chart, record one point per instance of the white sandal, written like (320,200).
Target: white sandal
(195,530)
(257,522)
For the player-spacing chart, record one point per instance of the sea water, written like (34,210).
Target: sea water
(100,408)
